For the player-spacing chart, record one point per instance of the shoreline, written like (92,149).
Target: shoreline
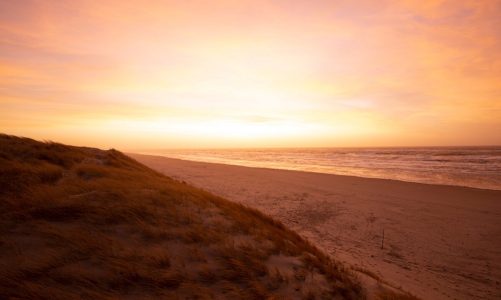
(441,241)
(313,172)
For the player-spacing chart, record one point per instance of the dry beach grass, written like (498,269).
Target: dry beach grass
(85,223)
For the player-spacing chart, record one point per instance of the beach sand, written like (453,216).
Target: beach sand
(440,242)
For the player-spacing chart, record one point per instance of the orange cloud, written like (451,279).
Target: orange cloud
(329,73)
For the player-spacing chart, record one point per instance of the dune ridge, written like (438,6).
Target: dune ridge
(80,222)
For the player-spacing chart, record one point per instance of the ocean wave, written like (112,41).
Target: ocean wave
(470,166)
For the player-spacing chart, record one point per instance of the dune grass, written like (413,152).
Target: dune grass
(85,223)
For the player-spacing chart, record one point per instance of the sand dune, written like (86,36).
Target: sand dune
(84,223)
(441,242)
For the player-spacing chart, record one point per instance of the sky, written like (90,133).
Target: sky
(216,74)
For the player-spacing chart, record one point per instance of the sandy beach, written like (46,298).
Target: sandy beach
(440,242)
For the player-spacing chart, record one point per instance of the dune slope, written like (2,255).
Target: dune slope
(85,223)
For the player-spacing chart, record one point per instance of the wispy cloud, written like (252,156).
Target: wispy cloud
(416,72)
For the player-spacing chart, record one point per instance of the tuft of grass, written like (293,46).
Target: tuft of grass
(89,172)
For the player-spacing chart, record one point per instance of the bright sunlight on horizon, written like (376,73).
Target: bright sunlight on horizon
(215,74)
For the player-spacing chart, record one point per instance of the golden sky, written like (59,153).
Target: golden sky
(161,74)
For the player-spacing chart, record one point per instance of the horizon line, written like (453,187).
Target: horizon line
(317,147)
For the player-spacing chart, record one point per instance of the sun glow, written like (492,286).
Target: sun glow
(221,128)
(251,73)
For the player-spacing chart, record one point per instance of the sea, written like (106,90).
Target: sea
(478,167)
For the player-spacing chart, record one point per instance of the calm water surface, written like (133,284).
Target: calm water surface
(465,166)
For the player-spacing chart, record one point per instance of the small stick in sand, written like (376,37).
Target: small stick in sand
(382,241)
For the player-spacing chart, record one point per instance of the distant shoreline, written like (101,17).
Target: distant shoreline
(230,163)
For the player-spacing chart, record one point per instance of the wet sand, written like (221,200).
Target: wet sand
(441,242)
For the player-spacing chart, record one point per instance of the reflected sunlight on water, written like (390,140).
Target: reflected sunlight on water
(465,166)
